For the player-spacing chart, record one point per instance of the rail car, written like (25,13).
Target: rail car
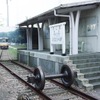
(4,43)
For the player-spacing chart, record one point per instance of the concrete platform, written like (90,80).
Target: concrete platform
(50,63)
(87,65)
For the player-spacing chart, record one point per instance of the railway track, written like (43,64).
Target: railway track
(50,92)
(1,53)
(4,55)
(53,90)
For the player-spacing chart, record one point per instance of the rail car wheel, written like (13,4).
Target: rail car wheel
(69,78)
(39,78)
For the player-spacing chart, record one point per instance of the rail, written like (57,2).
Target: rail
(75,91)
(71,89)
(1,53)
(41,94)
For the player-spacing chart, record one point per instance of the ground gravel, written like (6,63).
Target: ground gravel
(10,87)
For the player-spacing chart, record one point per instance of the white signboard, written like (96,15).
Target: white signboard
(57,35)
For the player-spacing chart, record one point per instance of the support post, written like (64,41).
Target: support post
(76,31)
(27,32)
(70,36)
(29,38)
(74,39)
(40,37)
(64,43)
(51,46)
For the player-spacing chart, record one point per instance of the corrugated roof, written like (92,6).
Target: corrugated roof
(62,8)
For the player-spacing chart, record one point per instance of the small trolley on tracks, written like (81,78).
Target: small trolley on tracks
(4,43)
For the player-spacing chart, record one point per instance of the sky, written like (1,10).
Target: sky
(20,10)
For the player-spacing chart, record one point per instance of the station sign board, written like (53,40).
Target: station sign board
(57,35)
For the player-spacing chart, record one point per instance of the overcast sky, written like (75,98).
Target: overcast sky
(20,10)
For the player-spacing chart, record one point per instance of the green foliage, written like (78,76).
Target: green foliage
(17,36)
(13,50)
(3,34)
(13,53)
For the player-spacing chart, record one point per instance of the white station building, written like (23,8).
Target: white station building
(67,34)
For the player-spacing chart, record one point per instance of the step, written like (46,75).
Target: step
(88,74)
(86,60)
(96,85)
(89,69)
(91,74)
(84,56)
(88,86)
(94,79)
(85,65)
(90,80)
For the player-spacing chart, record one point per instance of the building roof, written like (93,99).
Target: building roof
(61,9)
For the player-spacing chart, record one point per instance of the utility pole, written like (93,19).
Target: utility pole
(7,12)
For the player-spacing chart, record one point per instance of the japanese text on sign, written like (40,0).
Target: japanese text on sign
(56,33)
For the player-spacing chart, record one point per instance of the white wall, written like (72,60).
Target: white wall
(98,24)
(89,32)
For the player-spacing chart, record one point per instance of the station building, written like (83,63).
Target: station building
(67,34)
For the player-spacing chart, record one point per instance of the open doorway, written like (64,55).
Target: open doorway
(35,38)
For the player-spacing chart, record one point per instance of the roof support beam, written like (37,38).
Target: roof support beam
(71,9)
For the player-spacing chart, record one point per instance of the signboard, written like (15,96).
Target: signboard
(57,33)
(57,36)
